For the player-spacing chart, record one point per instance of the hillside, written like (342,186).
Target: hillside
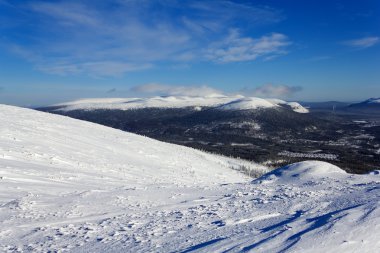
(69,185)
(371,105)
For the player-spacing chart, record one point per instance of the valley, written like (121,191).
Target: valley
(270,136)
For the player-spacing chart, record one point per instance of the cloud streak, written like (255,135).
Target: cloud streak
(96,69)
(164,90)
(236,48)
(363,43)
(265,91)
(273,91)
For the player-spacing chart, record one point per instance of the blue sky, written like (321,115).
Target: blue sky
(316,50)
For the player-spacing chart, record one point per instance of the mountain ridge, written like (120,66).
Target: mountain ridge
(221,102)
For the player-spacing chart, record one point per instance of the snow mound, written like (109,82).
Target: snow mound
(223,102)
(303,170)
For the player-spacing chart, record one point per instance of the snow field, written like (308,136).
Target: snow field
(69,185)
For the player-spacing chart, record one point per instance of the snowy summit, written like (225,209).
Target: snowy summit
(69,185)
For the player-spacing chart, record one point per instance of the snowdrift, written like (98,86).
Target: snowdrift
(304,170)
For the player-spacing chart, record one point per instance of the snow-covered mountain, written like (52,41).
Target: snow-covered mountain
(373,101)
(69,185)
(220,101)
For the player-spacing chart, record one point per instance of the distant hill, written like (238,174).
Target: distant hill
(328,105)
(371,105)
(222,102)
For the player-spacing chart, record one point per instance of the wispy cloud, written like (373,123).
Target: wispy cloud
(163,89)
(68,13)
(270,90)
(96,69)
(267,90)
(236,48)
(363,42)
(83,36)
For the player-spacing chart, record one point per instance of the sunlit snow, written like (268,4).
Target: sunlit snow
(69,185)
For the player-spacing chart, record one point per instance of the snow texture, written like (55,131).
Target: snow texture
(69,185)
(221,102)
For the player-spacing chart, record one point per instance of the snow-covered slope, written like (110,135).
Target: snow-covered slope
(42,138)
(68,185)
(247,104)
(220,101)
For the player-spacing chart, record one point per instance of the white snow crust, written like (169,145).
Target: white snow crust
(73,186)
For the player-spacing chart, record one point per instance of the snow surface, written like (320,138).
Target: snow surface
(237,102)
(304,170)
(69,185)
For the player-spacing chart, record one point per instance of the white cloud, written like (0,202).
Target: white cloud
(162,89)
(80,36)
(274,91)
(236,48)
(363,42)
(96,69)
(69,13)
